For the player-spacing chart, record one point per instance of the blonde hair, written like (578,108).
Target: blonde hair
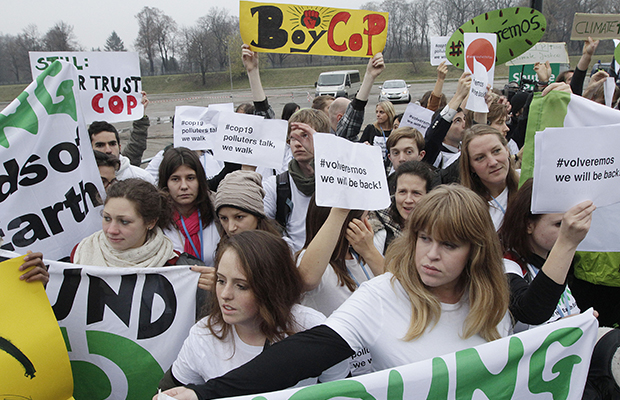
(472,181)
(388,108)
(456,214)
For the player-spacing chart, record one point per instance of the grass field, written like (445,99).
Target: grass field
(282,77)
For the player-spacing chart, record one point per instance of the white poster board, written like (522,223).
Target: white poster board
(250,140)
(481,47)
(109,82)
(555,53)
(438,50)
(194,127)
(565,175)
(349,175)
(417,117)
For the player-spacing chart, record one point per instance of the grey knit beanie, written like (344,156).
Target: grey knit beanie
(242,190)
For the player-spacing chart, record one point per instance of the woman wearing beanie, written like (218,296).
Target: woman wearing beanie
(239,204)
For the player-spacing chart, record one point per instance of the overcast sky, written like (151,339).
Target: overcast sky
(93,21)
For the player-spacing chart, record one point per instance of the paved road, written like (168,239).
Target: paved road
(162,107)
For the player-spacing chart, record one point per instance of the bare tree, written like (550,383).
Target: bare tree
(221,26)
(146,42)
(198,47)
(60,37)
(114,43)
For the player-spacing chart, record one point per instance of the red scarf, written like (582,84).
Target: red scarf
(192,223)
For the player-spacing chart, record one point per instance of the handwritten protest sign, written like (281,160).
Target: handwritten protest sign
(549,362)
(295,29)
(541,52)
(517,29)
(596,26)
(438,50)
(417,117)
(250,140)
(49,181)
(109,82)
(33,357)
(194,127)
(349,175)
(123,327)
(567,175)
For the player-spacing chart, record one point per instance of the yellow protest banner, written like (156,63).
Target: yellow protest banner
(294,29)
(34,363)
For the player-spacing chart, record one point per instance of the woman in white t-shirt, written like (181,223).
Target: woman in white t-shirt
(444,291)
(257,289)
(337,257)
(486,169)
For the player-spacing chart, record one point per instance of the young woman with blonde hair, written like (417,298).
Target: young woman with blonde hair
(486,168)
(444,291)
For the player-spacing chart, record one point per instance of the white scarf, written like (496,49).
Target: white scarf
(96,250)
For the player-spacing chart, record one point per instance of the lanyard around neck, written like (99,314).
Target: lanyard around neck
(188,236)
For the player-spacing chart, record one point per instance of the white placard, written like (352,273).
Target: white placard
(250,140)
(417,117)
(478,90)
(349,175)
(109,82)
(567,175)
(616,64)
(438,50)
(482,47)
(194,127)
(609,89)
(555,53)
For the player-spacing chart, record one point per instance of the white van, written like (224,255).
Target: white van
(338,83)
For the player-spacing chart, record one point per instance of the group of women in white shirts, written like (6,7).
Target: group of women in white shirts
(440,286)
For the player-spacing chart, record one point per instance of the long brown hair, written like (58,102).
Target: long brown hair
(513,233)
(315,219)
(173,159)
(272,277)
(471,180)
(456,214)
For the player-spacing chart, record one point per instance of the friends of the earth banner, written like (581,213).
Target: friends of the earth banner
(49,181)
(548,362)
(295,29)
(123,327)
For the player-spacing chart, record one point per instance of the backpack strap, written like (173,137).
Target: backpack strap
(284,204)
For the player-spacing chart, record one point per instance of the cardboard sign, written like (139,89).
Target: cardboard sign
(349,175)
(596,26)
(33,357)
(109,82)
(123,326)
(567,175)
(250,139)
(417,117)
(49,181)
(194,127)
(514,367)
(438,50)
(295,29)
(517,29)
(541,52)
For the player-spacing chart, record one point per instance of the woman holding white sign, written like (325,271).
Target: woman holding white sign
(539,250)
(445,291)
(485,168)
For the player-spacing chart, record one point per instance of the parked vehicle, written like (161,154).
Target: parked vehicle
(395,90)
(338,83)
